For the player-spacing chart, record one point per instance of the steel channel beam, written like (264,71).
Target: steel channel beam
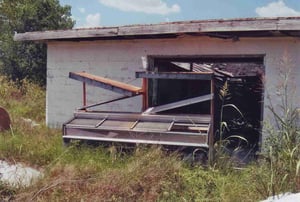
(157,142)
(196,119)
(174,75)
(180,103)
(125,129)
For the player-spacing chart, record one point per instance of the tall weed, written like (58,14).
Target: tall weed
(227,144)
(282,147)
(27,100)
(145,176)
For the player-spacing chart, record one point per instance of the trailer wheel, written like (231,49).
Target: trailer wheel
(200,156)
(66,142)
(196,156)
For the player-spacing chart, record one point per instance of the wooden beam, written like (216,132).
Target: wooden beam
(145,93)
(174,75)
(202,26)
(105,83)
(180,103)
(67,34)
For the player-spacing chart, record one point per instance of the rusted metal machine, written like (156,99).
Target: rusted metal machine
(154,125)
(4,120)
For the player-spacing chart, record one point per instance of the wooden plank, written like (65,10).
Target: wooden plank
(145,94)
(175,75)
(105,83)
(67,34)
(289,24)
(180,103)
(201,27)
(204,26)
(198,128)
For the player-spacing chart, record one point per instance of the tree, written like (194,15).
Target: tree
(20,60)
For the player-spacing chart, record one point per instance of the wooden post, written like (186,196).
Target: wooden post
(84,93)
(145,93)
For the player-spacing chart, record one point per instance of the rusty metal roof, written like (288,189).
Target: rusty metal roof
(220,28)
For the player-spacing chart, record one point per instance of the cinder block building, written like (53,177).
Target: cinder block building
(257,45)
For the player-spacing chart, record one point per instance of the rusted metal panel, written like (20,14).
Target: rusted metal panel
(238,69)
(4,120)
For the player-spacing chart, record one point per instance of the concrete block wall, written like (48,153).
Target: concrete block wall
(120,59)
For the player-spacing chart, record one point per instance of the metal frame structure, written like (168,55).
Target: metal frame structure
(148,127)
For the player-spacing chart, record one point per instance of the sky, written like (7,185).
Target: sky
(99,13)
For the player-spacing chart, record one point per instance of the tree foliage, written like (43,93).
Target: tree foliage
(20,60)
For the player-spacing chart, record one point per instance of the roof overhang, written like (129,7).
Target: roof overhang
(227,29)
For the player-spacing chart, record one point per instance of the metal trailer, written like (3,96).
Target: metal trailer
(152,125)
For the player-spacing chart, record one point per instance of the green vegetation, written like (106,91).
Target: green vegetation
(19,60)
(85,173)
(283,144)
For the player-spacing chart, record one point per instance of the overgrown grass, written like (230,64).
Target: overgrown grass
(282,148)
(85,173)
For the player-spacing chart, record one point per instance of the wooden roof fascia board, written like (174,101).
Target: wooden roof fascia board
(105,83)
(204,26)
(235,25)
(288,24)
(198,27)
(156,29)
(67,34)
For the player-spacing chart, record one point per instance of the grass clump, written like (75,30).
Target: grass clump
(142,177)
(26,100)
(210,184)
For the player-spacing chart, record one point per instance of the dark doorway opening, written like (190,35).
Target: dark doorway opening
(164,91)
(243,74)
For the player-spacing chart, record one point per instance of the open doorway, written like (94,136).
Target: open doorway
(243,75)
(164,91)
